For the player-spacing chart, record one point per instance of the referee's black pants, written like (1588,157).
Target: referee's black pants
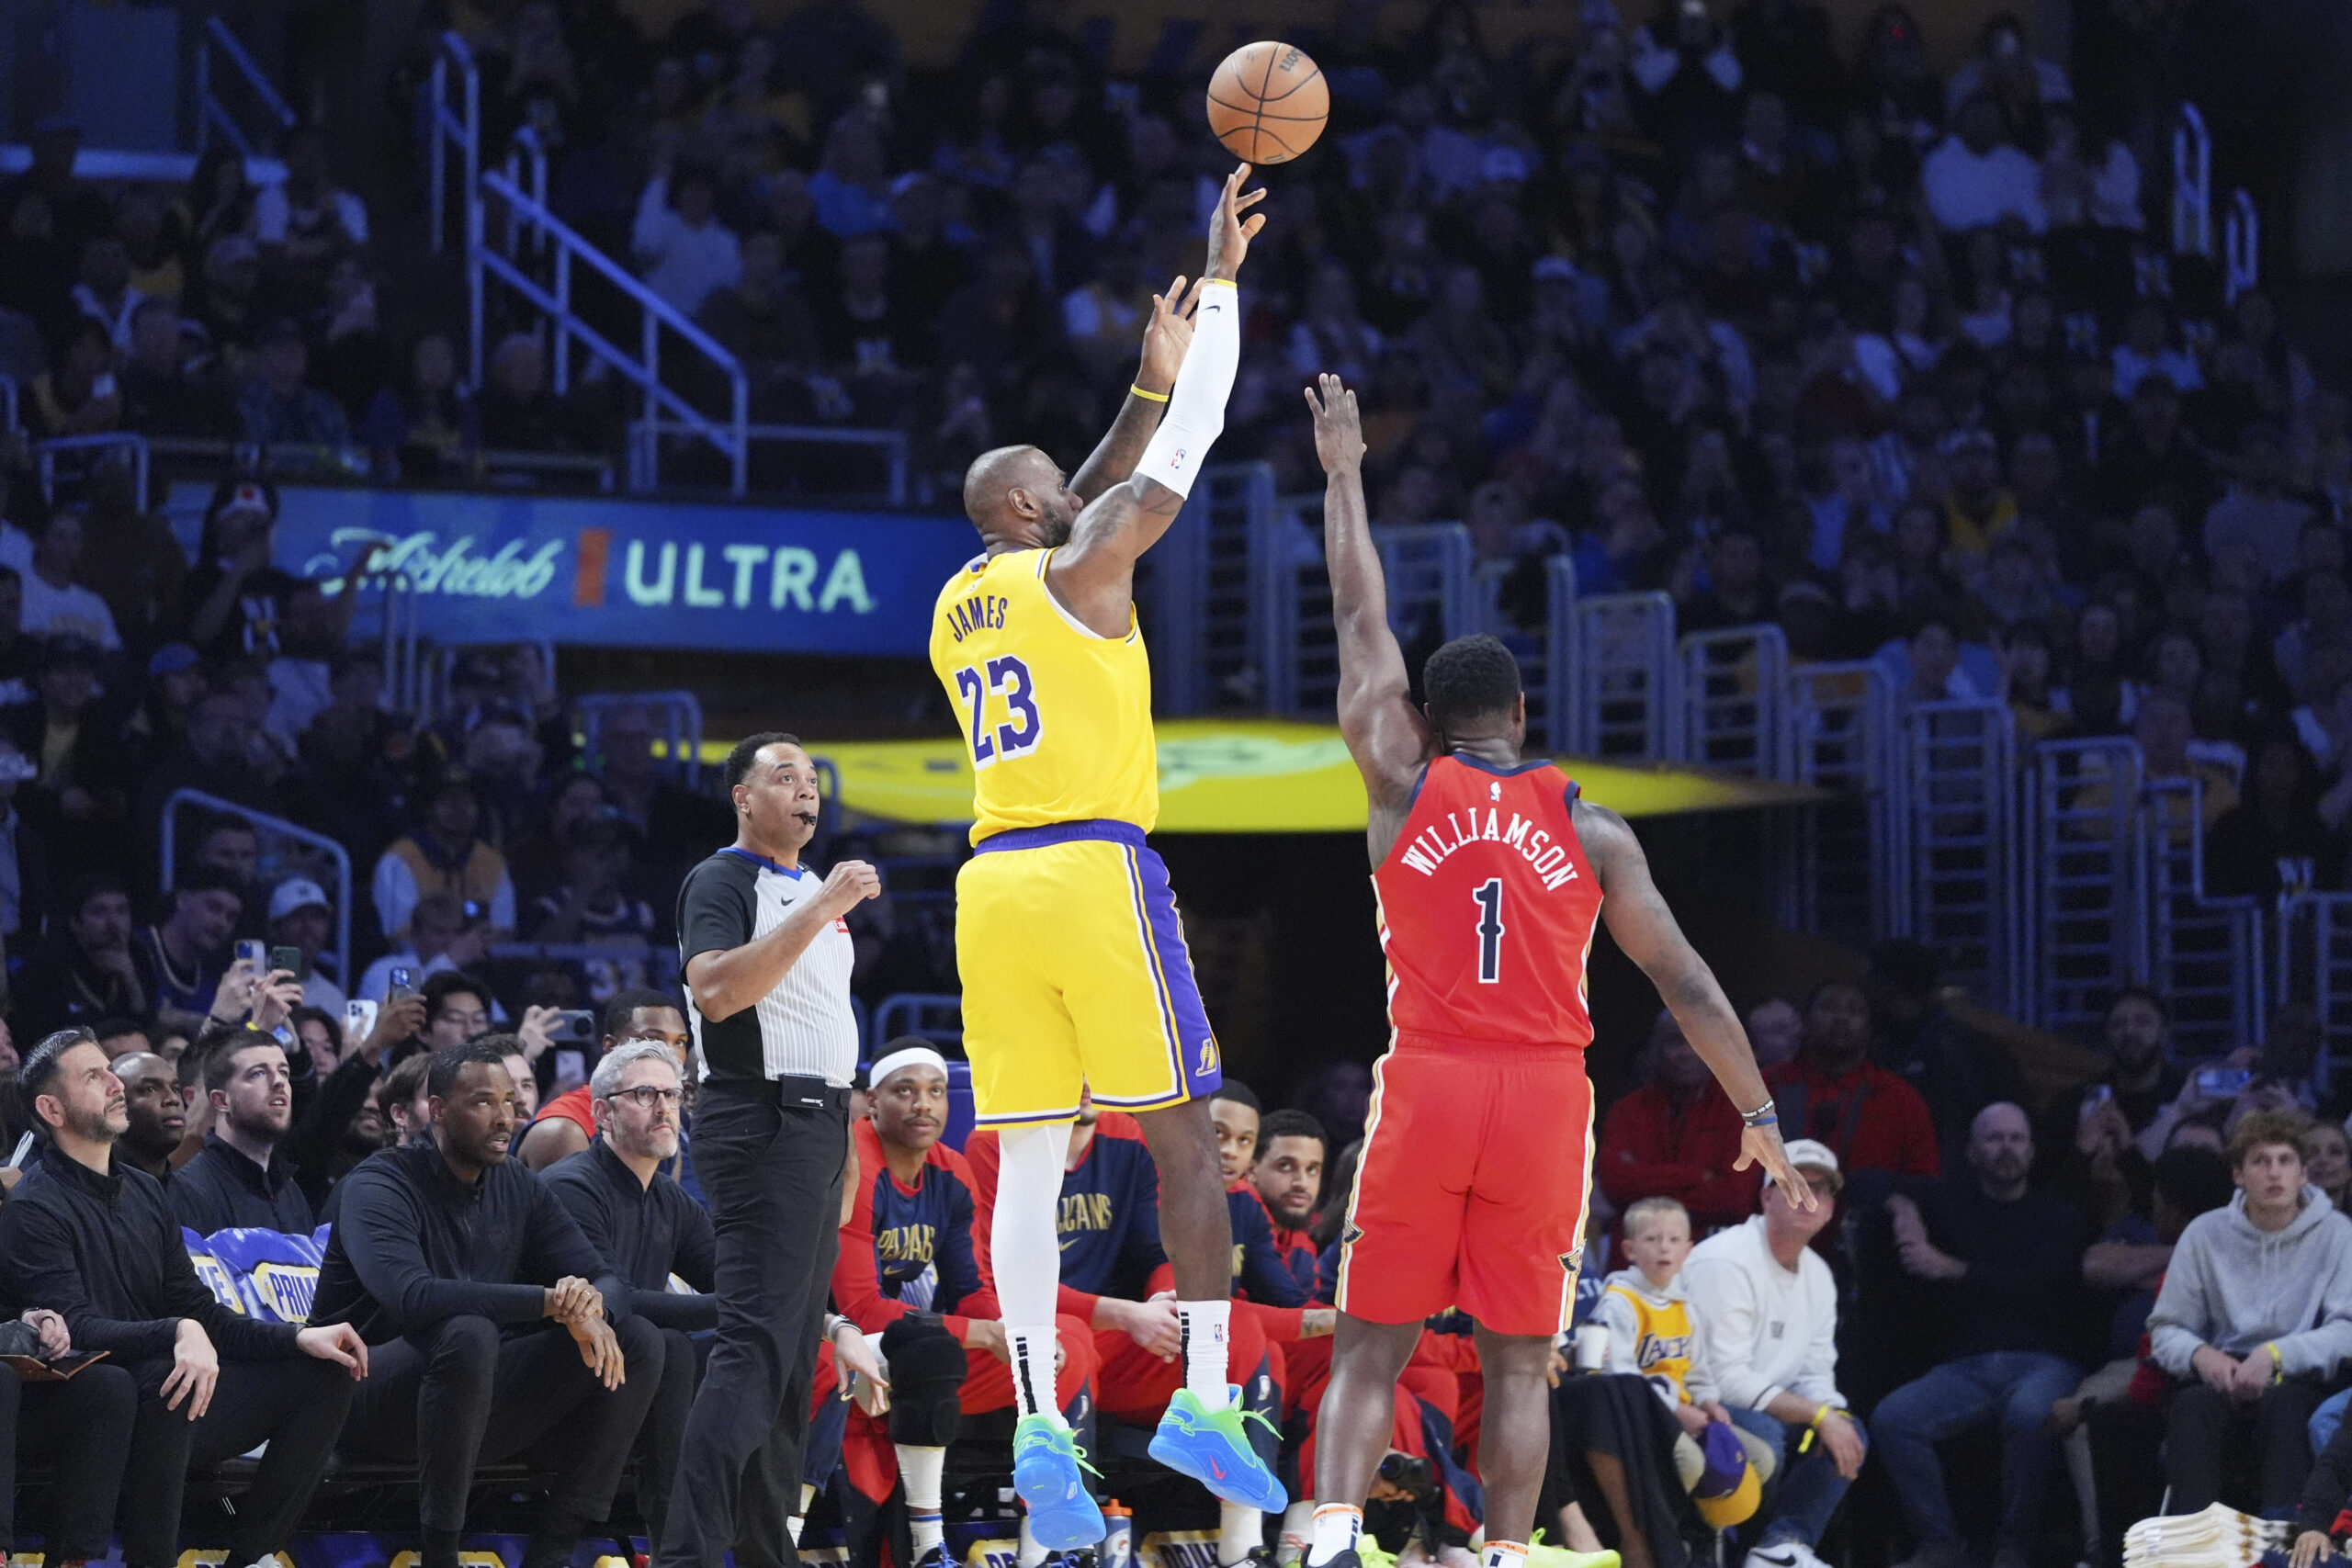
(772,1171)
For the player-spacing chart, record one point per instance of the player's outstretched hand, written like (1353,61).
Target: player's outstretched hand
(1761,1145)
(1229,232)
(847,885)
(1339,432)
(1167,337)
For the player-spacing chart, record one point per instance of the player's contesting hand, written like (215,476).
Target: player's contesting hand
(1230,232)
(1761,1145)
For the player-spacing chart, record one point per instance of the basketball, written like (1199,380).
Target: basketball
(1268,103)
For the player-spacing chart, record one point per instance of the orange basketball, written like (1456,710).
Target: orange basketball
(1268,103)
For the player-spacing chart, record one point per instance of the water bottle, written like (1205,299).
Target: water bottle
(1118,1537)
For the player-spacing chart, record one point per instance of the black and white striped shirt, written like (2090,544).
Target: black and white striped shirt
(802,1029)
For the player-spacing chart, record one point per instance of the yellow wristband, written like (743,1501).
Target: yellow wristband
(1819,1416)
(1154,397)
(2278,1363)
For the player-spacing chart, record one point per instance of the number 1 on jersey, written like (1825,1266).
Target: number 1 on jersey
(1489,897)
(1010,676)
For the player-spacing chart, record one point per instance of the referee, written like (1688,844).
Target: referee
(767,963)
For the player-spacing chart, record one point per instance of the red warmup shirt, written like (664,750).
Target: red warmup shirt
(1871,1119)
(1652,1147)
(1486,907)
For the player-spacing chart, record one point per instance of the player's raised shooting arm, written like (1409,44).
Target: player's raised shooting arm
(1645,929)
(1093,575)
(1165,339)
(1386,734)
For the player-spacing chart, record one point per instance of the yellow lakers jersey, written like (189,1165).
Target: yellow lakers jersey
(1056,718)
(1662,1338)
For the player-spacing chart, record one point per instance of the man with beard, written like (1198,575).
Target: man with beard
(1833,1094)
(1292,1149)
(183,957)
(1999,1270)
(438,1250)
(236,1178)
(1675,1137)
(643,1224)
(157,1117)
(93,1240)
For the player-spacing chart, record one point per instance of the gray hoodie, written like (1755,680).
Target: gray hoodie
(2237,1288)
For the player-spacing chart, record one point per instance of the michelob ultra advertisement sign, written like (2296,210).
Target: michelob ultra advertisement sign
(626,573)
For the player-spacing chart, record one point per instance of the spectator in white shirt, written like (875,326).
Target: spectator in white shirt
(684,252)
(56,605)
(102,290)
(2148,349)
(2004,66)
(1976,176)
(1767,1310)
(307,219)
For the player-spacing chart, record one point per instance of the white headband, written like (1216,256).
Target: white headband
(912,1056)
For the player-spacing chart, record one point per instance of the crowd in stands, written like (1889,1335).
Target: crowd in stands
(1899,361)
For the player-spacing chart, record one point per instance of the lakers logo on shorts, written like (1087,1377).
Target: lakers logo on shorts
(1208,1059)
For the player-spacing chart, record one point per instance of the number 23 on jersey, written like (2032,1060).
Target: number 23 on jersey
(1017,726)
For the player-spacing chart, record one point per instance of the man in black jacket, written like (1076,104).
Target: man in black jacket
(645,1226)
(238,1178)
(438,1250)
(95,1242)
(2000,1271)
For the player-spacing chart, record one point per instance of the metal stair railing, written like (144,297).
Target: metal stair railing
(531,226)
(1959,763)
(1851,876)
(118,446)
(1547,663)
(451,124)
(679,713)
(321,858)
(1733,684)
(2192,184)
(1208,591)
(1622,678)
(2205,954)
(934,1015)
(2088,920)
(2241,246)
(2314,964)
(1299,648)
(213,114)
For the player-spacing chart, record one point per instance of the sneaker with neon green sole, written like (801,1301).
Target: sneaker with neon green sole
(1213,1447)
(1048,1472)
(1541,1554)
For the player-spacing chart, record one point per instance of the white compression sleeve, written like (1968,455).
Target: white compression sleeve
(1196,415)
(1027,1252)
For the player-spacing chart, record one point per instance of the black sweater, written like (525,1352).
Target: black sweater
(2023,1288)
(413,1246)
(221,1188)
(105,1253)
(645,1233)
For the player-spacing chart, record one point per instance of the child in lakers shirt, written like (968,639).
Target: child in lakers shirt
(1654,1333)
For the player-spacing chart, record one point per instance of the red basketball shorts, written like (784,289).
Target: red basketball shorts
(1478,1163)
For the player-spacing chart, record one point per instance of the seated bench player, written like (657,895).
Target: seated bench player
(1113,1278)
(907,1271)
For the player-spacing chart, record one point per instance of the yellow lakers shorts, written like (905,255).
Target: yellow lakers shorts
(1076,975)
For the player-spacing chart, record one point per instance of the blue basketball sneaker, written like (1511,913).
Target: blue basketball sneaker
(1213,1447)
(1045,1472)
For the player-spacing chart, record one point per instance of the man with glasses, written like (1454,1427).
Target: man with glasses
(646,1229)
(566,1125)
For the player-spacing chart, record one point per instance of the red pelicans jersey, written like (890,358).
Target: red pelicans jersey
(1486,907)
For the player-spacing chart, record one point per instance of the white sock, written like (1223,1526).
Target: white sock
(1504,1554)
(1032,1370)
(1299,1528)
(1028,1255)
(1338,1527)
(921,1470)
(1031,1553)
(1205,1326)
(1239,1531)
